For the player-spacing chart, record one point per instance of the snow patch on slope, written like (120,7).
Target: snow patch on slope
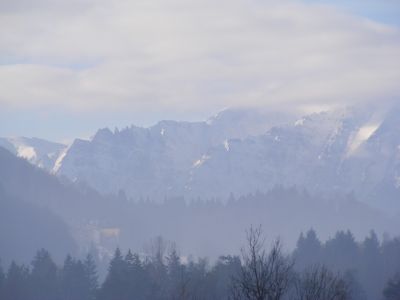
(58,163)
(26,152)
(201,161)
(299,122)
(363,134)
(226,145)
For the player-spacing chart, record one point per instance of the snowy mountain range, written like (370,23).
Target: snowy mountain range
(332,152)
(237,151)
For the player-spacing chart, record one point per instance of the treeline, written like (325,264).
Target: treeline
(76,279)
(283,212)
(338,269)
(370,263)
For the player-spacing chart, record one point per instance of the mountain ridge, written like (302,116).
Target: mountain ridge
(346,150)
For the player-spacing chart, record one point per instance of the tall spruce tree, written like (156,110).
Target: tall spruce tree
(371,263)
(74,283)
(91,277)
(392,290)
(115,286)
(43,279)
(16,285)
(308,250)
(138,281)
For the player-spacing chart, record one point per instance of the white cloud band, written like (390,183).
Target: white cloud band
(149,55)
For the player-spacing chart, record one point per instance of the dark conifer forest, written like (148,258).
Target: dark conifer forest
(337,269)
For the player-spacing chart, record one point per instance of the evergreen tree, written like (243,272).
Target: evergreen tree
(220,277)
(391,257)
(74,283)
(136,276)
(392,290)
(371,263)
(67,278)
(173,263)
(16,284)
(43,278)
(115,286)
(199,285)
(342,252)
(91,277)
(308,250)
(129,259)
(156,268)
(177,278)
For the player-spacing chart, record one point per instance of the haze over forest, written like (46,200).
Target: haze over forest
(199,150)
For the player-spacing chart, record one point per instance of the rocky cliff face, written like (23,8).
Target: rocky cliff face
(155,162)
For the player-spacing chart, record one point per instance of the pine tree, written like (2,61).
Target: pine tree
(67,278)
(129,259)
(73,280)
(308,250)
(44,277)
(91,277)
(342,252)
(156,269)
(136,277)
(392,290)
(16,283)
(371,262)
(177,279)
(115,284)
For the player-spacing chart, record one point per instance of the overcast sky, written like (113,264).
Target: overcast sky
(68,67)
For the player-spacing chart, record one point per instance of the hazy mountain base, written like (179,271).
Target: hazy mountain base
(25,226)
(202,228)
(211,227)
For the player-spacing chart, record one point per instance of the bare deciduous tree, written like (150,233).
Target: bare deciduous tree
(264,275)
(319,283)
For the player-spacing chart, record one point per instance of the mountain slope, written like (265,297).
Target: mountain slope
(26,228)
(154,162)
(322,152)
(28,202)
(39,152)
